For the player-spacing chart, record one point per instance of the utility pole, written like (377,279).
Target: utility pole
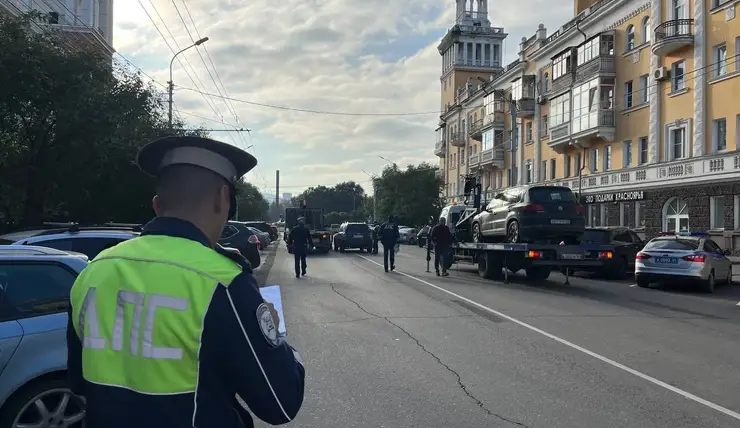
(277,193)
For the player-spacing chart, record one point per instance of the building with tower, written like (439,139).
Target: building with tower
(629,104)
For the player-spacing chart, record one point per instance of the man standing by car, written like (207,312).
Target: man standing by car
(374,232)
(299,240)
(169,330)
(389,238)
(441,238)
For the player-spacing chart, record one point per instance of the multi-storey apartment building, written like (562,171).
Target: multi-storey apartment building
(80,23)
(630,104)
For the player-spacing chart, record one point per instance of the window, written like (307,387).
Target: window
(528,128)
(578,164)
(594,164)
(678,81)
(737,53)
(487,142)
(677,143)
(623,206)
(528,171)
(543,127)
(607,158)
(553,169)
(630,38)
(588,51)
(717,212)
(676,216)
(643,143)
(642,94)
(628,94)
(585,106)
(605,214)
(561,65)
(541,195)
(543,175)
(90,247)
(646,30)
(719,134)
(516,90)
(639,214)
(720,60)
(566,165)
(545,83)
(626,154)
(34,289)
(228,231)
(594,215)
(559,110)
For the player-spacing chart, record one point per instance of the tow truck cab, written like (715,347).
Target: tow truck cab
(320,236)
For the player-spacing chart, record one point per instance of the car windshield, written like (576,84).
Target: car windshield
(598,236)
(673,244)
(550,194)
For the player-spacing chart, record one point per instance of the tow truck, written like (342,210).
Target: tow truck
(497,260)
(320,235)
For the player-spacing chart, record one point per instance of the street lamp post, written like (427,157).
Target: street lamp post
(375,196)
(170,85)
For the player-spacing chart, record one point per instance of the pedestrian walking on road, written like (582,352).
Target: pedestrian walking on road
(389,238)
(169,329)
(375,233)
(299,240)
(441,239)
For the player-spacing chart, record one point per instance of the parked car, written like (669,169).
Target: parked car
(264,227)
(237,235)
(263,237)
(684,257)
(353,235)
(35,283)
(88,240)
(529,213)
(422,236)
(407,235)
(624,245)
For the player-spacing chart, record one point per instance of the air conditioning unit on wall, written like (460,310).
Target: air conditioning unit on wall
(541,99)
(660,73)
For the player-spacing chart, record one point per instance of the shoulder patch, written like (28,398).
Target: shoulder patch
(267,324)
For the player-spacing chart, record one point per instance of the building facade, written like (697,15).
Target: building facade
(80,23)
(630,104)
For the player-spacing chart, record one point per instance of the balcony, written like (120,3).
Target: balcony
(603,65)
(485,63)
(525,107)
(458,139)
(673,35)
(492,158)
(596,125)
(440,149)
(476,130)
(560,85)
(474,160)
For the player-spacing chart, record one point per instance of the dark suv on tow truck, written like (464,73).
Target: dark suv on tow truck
(531,213)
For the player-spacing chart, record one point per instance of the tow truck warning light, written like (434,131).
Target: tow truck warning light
(534,254)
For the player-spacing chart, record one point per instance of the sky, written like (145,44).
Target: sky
(371,58)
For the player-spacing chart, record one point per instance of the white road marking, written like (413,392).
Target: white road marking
(633,285)
(600,357)
(738,304)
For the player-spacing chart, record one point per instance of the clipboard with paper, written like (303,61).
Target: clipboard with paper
(271,294)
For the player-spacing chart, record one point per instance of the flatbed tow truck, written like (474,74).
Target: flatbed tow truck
(497,260)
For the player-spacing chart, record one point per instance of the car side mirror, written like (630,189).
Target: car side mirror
(727,252)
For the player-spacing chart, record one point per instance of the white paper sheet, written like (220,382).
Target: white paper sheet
(272,295)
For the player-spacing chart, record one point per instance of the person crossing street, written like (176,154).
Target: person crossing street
(389,235)
(440,237)
(375,231)
(300,241)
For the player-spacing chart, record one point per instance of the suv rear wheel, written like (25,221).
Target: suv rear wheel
(512,232)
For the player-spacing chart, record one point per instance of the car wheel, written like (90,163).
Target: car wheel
(342,249)
(617,270)
(643,283)
(477,236)
(707,286)
(512,232)
(42,403)
(728,280)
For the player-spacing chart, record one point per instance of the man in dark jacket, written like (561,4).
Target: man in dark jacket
(299,240)
(389,238)
(441,238)
(374,231)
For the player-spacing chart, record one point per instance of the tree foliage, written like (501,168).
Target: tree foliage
(71,123)
(411,195)
(344,202)
(252,204)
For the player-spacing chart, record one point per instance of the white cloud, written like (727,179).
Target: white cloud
(367,56)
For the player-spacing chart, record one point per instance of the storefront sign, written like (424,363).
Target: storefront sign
(615,197)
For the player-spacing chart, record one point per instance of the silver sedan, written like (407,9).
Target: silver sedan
(683,257)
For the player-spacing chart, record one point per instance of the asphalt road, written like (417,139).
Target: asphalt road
(409,349)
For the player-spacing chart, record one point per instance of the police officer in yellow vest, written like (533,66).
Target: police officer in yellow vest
(170,330)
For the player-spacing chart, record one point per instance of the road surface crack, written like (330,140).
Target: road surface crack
(460,383)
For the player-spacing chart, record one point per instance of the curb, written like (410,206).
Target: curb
(261,273)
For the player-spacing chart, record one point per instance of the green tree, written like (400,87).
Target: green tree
(411,195)
(251,203)
(345,197)
(71,123)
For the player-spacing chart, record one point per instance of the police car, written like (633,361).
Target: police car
(692,257)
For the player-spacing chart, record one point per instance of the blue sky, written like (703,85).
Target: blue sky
(370,56)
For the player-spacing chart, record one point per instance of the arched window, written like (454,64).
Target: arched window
(630,38)
(545,83)
(676,216)
(646,30)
